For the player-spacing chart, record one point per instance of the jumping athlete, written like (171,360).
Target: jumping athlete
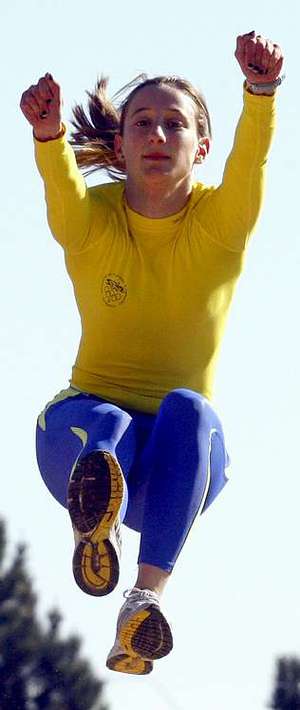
(154,257)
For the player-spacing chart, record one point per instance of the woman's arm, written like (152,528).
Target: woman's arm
(66,193)
(231,211)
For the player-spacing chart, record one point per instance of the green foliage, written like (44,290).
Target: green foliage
(286,694)
(38,669)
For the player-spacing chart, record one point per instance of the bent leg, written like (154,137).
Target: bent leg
(186,459)
(79,440)
(74,427)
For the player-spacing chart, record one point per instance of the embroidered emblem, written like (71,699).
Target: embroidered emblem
(114,290)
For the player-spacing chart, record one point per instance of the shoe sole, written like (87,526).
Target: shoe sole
(147,634)
(123,663)
(95,495)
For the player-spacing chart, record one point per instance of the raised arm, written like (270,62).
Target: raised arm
(232,209)
(68,204)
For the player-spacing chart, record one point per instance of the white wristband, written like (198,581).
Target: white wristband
(267,87)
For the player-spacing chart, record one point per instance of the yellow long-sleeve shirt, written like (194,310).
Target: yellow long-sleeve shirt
(154,294)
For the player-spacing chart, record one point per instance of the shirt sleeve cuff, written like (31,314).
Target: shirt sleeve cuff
(261,101)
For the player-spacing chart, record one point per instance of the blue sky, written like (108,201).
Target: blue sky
(234,596)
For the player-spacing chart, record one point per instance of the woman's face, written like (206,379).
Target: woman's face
(160,140)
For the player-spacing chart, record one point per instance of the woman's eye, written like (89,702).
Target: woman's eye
(173,124)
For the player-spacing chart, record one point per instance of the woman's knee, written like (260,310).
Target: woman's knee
(186,403)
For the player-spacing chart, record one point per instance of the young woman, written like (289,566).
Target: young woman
(154,259)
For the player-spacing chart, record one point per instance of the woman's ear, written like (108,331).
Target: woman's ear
(118,143)
(202,150)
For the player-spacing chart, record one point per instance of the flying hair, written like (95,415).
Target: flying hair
(95,128)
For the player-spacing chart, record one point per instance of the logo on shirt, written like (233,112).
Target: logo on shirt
(114,290)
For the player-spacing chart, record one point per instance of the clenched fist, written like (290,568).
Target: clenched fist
(42,106)
(260,59)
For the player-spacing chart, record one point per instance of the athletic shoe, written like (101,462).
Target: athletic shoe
(95,495)
(143,634)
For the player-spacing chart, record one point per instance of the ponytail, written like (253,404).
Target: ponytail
(95,129)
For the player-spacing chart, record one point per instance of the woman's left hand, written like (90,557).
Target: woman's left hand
(260,59)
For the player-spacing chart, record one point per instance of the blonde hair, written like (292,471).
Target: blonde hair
(95,129)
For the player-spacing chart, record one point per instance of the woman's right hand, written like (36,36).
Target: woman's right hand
(41,104)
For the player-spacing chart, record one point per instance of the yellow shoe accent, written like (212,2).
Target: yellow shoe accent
(129,630)
(130,664)
(95,566)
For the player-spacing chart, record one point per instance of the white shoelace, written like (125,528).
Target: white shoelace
(141,595)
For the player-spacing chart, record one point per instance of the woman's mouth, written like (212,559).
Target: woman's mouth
(156,156)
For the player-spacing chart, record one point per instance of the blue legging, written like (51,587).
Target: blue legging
(173,462)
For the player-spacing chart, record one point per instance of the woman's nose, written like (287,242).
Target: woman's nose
(157,134)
